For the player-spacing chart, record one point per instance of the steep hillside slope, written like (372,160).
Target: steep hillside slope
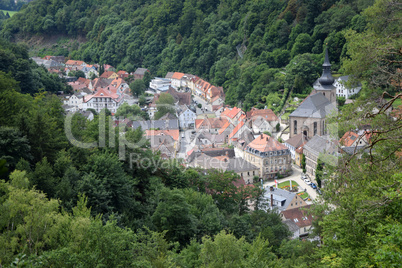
(242,45)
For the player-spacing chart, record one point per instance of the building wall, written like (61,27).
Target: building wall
(296,202)
(99,103)
(270,166)
(311,162)
(186,118)
(309,123)
(298,158)
(248,176)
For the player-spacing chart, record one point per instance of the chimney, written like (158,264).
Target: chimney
(267,138)
(272,200)
(227,153)
(262,136)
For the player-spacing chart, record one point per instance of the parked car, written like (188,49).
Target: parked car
(313,185)
(307,181)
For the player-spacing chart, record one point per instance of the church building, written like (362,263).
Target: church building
(309,117)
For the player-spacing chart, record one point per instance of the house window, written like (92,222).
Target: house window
(315,128)
(295,127)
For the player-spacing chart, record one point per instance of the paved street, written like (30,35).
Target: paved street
(203,103)
(184,143)
(296,176)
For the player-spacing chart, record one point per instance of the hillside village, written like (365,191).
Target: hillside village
(204,132)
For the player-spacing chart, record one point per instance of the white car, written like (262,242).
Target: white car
(307,181)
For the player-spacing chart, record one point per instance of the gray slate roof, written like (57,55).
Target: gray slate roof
(282,196)
(314,106)
(157,124)
(297,141)
(140,71)
(355,149)
(319,145)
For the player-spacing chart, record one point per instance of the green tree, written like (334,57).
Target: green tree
(13,147)
(137,87)
(165,104)
(303,163)
(173,214)
(77,74)
(224,250)
(128,111)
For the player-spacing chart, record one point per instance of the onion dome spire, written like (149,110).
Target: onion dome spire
(326,77)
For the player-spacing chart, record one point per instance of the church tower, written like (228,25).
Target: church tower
(324,84)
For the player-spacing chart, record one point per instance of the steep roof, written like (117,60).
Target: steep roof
(74,62)
(169,75)
(209,123)
(319,145)
(100,82)
(177,75)
(349,138)
(141,71)
(265,143)
(107,74)
(184,98)
(314,106)
(267,114)
(299,216)
(231,113)
(174,133)
(236,129)
(103,93)
(224,127)
(297,141)
(280,196)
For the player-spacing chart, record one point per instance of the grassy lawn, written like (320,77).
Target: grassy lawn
(286,183)
(11,13)
(303,195)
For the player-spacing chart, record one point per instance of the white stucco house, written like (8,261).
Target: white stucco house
(342,90)
(186,116)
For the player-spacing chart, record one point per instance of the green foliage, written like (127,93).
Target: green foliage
(77,74)
(128,111)
(340,100)
(165,104)
(137,87)
(303,163)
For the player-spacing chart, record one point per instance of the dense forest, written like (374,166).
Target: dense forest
(66,206)
(256,50)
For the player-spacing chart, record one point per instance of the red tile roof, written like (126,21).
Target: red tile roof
(236,129)
(104,93)
(225,126)
(267,114)
(299,216)
(177,75)
(265,143)
(209,123)
(74,62)
(349,138)
(107,74)
(174,133)
(231,113)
